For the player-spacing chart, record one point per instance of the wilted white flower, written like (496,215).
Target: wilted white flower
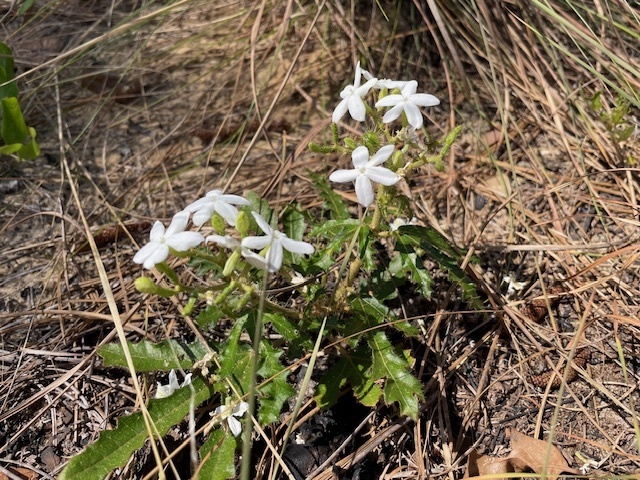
(238,411)
(408,101)
(157,250)
(216,201)
(164,391)
(384,82)
(231,243)
(352,98)
(365,171)
(276,241)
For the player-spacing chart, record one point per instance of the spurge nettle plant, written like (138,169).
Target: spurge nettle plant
(345,265)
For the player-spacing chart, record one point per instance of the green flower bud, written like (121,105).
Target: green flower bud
(397,160)
(146,285)
(231,263)
(372,141)
(218,224)
(243,223)
(350,144)
(335,133)
(324,149)
(188,308)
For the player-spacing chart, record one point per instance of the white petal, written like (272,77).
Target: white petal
(178,223)
(424,100)
(220,410)
(198,204)
(340,110)
(203,215)
(389,101)
(226,241)
(163,391)
(360,156)
(146,252)
(235,426)
(173,380)
(358,74)
(187,380)
(183,241)
(256,243)
(234,199)
(240,409)
(274,256)
(254,259)
(160,254)
(414,116)
(262,223)
(364,191)
(364,89)
(157,231)
(357,109)
(228,212)
(343,176)
(410,88)
(381,156)
(296,246)
(382,175)
(394,113)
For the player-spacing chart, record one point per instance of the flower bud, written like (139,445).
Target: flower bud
(315,148)
(372,141)
(231,263)
(243,223)
(397,160)
(350,144)
(146,285)
(217,222)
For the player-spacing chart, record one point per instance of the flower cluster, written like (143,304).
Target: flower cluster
(407,101)
(271,245)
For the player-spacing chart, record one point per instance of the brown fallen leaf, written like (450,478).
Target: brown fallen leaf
(19,472)
(530,453)
(487,465)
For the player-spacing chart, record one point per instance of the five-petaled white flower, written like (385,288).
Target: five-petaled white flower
(216,201)
(238,411)
(365,171)
(408,101)
(352,98)
(276,241)
(164,391)
(157,250)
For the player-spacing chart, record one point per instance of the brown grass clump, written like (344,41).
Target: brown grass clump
(140,107)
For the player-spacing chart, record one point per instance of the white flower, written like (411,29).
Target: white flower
(216,201)
(384,82)
(276,241)
(238,411)
(157,250)
(366,171)
(408,101)
(352,98)
(164,391)
(231,243)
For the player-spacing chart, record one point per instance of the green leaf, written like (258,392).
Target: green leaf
(8,87)
(15,131)
(209,317)
(333,202)
(150,356)
(218,456)
(229,350)
(114,447)
(277,390)
(293,222)
(296,338)
(261,206)
(354,368)
(336,232)
(400,385)
(411,264)
(438,248)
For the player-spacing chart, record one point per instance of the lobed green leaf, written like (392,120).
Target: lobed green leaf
(150,356)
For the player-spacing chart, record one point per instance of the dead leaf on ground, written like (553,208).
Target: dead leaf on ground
(527,453)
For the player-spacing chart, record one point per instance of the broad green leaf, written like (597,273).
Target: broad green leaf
(218,456)
(277,390)
(150,356)
(296,337)
(114,447)
(261,206)
(209,317)
(345,228)
(293,222)
(399,384)
(333,202)
(411,264)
